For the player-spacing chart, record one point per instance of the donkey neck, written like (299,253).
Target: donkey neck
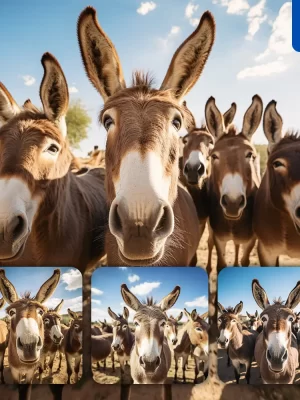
(237,338)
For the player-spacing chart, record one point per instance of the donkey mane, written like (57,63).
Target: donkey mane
(290,136)
(229,310)
(278,301)
(27,295)
(149,301)
(142,79)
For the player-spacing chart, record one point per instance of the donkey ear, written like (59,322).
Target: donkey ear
(130,298)
(194,315)
(272,124)
(221,308)
(112,314)
(189,119)
(29,106)
(294,297)
(190,58)
(259,294)
(214,118)
(100,58)
(229,115)
(125,313)
(238,308)
(54,92)
(169,301)
(252,117)
(7,289)
(179,317)
(59,306)
(8,106)
(248,315)
(72,314)
(204,316)
(187,314)
(2,302)
(48,288)
(256,313)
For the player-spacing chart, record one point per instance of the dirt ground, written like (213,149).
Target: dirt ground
(110,377)
(58,376)
(226,373)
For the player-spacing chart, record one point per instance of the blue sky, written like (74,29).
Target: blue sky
(31,279)
(143,282)
(235,285)
(252,53)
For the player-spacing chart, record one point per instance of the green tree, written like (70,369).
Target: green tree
(78,121)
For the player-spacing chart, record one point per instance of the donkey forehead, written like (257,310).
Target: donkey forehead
(147,314)
(26,305)
(276,312)
(120,322)
(239,144)
(228,317)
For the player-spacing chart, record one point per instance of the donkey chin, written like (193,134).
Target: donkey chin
(30,352)
(135,254)
(277,361)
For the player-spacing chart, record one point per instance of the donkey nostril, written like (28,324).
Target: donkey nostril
(19,343)
(297,212)
(269,356)
(141,361)
(157,362)
(224,200)
(226,340)
(19,227)
(39,344)
(186,169)
(201,169)
(285,355)
(243,201)
(118,221)
(162,220)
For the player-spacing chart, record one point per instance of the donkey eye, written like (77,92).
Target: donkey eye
(249,155)
(163,324)
(291,319)
(40,311)
(233,320)
(136,324)
(53,149)
(198,329)
(185,140)
(46,321)
(12,312)
(176,123)
(214,157)
(278,164)
(124,327)
(108,121)
(264,319)
(219,320)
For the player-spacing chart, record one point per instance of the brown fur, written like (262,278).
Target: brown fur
(101,349)
(4,335)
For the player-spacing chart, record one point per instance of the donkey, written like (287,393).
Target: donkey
(41,199)
(171,329)
(150,358)
(296,331)
(233,182)
(53,338)
(4,335)
(105,327)
(72,343)
(102,348)
(123,338)
(255,323)
(152,219)
(276,350)
(240,342)
(26,337)
(276,218)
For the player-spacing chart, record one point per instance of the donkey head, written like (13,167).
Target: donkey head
(227,322)
(121,329)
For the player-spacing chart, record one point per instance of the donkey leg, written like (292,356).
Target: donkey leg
(184,360)
(60,360)
(205,369)
(193,261)
(42,367)
(248,371)
(197,368)
(247,248)
(237,373)
(113,361)
(69,367)
(51,361)
(2,367)
(76,368)
(99,365)
(267,257)
(176,368)
(221,248)
(210,246)
(237,249)
(15,375)
(228,358)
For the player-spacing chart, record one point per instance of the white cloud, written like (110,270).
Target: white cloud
(237,7)
(146,7)
(190,10)
(99,313)
(174,31)
(75,304)
(73,89)
(280,42)
(144,288)
(175,312)
(72,279)
(133,278)
(194,21)
(256,16)
(96,301)
(96,292)
(123,268)
(271,68)
(28,80)
(198,302)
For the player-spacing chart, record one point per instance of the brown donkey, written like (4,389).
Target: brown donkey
(152,219)
(49,215)
(101,349)
(4,335)
(26,337)
(276,217)
(53,338)
(233,182)
(171,329)
(276,350)
(240,342)
(72,343)
(123,338)
(150,358)
(255,323)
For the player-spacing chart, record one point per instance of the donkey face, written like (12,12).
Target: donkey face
(171,328)
(105,327)
(227,322)
(34,152)
(76,325)
(277,322)
(233,178)
(283,166)
(150,320)
(254,320)
(27,329)
(296,324)
(142,124)
(52,324)
(197,329)
(121,328)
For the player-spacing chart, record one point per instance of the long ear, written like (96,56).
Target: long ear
(125,313)
(72,314)
(7,289)
(54,92)
(179,317)
(189,119)
(229,115)
(294,297)
(8,106)
(252,117)
(259,294)
(214,118)
(187,314)
(248,315)
(272,124)
(221,309)
(48,288)
(190,58)
(2,302)
(256,314)
(29,106)
(204,316)
(100,58)
(194,315)
(59,306)
(168,301)
(112,314)
(130,298)
(238,308)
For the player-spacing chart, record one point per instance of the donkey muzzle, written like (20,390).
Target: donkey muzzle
(276,360)
(233,207)
(29,352)
(150,366)
(194,172)
(14,230)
